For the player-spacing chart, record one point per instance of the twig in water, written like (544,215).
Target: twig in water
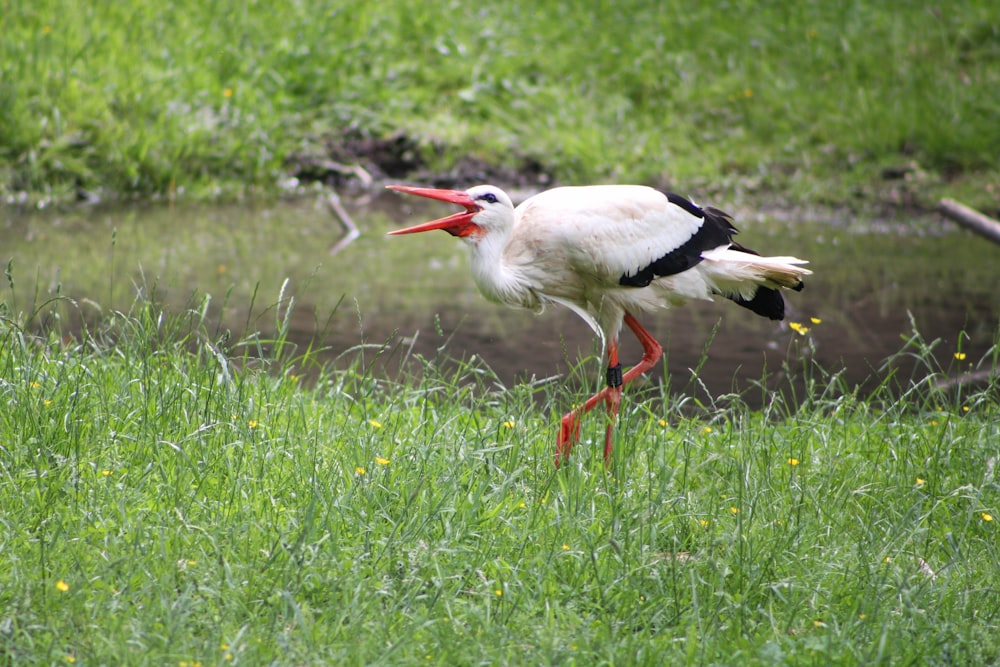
(333,201)
(972,377)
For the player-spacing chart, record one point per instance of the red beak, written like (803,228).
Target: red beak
(458,224)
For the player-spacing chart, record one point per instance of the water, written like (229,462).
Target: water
(872,279)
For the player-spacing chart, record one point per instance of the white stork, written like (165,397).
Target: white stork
(607,252)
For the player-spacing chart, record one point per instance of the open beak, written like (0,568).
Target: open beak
(457,224)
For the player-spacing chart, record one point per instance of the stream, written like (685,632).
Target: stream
(874,282)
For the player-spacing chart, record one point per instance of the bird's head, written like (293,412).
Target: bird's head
(487,208)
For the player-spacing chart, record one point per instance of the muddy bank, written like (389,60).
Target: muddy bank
(357,161)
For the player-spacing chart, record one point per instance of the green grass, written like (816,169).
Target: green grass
(176,495)
(813,99)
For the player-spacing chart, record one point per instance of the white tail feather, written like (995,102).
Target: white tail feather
(734,269)
(723,254)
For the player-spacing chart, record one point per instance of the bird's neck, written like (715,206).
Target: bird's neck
(497,278)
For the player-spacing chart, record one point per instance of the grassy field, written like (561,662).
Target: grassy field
(170,499)
(173,494)
(816,100)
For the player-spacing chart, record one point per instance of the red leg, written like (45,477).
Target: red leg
(569,431)
(651,349)
(569,428)
(612,401)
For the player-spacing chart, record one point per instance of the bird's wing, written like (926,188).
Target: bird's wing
(621,234)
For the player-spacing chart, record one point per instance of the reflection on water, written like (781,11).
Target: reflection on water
(869,279)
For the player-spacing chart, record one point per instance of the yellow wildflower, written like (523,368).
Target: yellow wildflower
(62,586)
(565,547)
(508,424)
(375,424)
(499,593)
(920,481)
(815,320)
(734,510)
(793,461)
(960,356)
(252,423)
(706,430)
(798,328)
(663,422)
(228,92)
(381,461)
(359,470)
(986,516)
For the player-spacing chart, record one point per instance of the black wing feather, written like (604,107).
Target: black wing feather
(716,230)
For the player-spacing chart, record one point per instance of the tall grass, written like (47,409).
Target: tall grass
(152,98)
(172,497)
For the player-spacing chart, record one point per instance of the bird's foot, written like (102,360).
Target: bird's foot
(569,434)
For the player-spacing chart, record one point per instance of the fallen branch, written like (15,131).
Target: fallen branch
(970,218)
(333,201)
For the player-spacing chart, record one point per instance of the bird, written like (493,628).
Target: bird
(607,252)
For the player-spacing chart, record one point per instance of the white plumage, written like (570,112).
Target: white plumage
(608,252)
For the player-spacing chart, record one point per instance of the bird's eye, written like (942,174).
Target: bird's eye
(489,198)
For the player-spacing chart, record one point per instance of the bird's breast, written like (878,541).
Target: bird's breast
(506,284)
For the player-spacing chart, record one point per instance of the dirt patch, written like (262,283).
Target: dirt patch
(356,160)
